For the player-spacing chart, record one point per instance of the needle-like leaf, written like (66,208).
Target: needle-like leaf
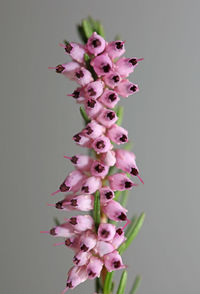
(120,114)
(97,210)
(122,283)
(108,283)
(87,28)
(84,115)
(135,285)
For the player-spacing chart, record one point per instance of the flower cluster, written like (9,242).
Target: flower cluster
(100,85)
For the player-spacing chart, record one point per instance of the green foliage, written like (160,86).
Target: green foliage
(97,210)
(56,221)
(135,285)
(84,115)
(88,26)
(120,114)
(108,283)
(122,283)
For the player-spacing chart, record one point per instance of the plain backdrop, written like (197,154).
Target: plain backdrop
(37,123)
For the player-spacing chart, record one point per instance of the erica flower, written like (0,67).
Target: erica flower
(101,74)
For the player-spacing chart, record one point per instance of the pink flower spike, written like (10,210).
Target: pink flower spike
(81,223)
(91,185)
(109,98)
(106,232)
(76,276)
(76,51)
(92,107)
(102,64)
(94,267)
(115,49)
(83,76)
(115,211)
(88,241)
(112,79)
(120,182)
(107,117)
(106,194)
(117,134)
(99,169)
(93,130)
(96,44)
(113,261)
(94,89)
(101,144)
(126,88)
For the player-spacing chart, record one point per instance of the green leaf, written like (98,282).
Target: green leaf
(135,285)
(124,198)
(98,286)
(117,194)
(87,28)
(108,283)
(131,226)
(84,115)
(133,233)
(128,146)
(81,33)
(122,283)
(97,210)
(120,114)
(100,29)
(89,67)
(56,221)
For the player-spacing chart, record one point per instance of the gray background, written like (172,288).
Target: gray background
(38,121)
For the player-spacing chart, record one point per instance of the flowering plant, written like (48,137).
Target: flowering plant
(101,179)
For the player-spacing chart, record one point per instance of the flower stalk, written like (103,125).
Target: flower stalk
(101,180)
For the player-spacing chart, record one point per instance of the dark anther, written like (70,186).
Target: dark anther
(122,216)
(134,171)
(108,195)
(74,159)
(123,138)
(84,248)
(74,202)
(77,138)
(73,221)
(112,97)
(100,144)
(119,231)
(117,264)
(59,205)
(76,260)
(111,115)
(106,68)
(64,188)
(105,233)
(133,61)
(79,74)
(59,68)
(68,242)
(116,79)
(85,189)
(91,103)
(89,130)
(76,94)
(96,43)
(92,92)
(69,285)
(53,232)
(133,88)
(91,274)
(119,45)
(128,184)
(99,168)
(68,48)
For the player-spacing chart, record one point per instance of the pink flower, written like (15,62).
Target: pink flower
(92,107)
(106,232)
(115,211)
(75,50)
(107,117)
(82,76)
(117,134)
(91,185)
(106,194)
(102,64)
(98,169)
(126,88)
(93,130)
(81,223)
(125,66)
(109,98)
(88,241)
(101,144)
(81,162)
(96,44)
(94,267)
(94,89)
(120,182)
(113,261)
(76,276)
(112,79)
(115,49)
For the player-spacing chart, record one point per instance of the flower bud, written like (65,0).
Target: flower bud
(73,181)
(94,267)
(76,51)
(126,88)
(83,76)
(82,140)
(106,232)
(107,117)
(120,182)
(106,194)
(88,241)
(92,107)
(113,261)
(101,144)
(99,169)
(81,223)
(93,130)
(117,134)
(81,258)
(102,64)
(109,98)
(103,248)
(115,49)
(109,158)
(96,44)
(91,185)
(94,89)
(119,238)
(115,211)
(112,79)
(76,276)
